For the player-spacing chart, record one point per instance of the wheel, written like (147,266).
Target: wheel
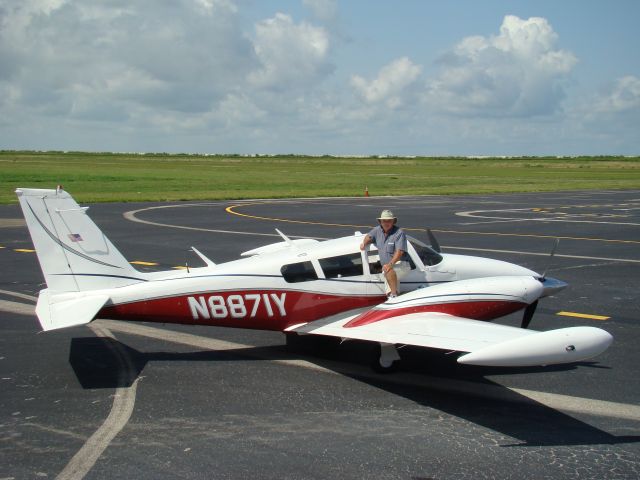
(385,358)
(377,366)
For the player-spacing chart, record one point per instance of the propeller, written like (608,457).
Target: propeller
(553,252)
(434,242)
(531,309)
(528,314)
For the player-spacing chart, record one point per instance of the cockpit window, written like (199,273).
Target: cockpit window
(342,266)
(428,256)
(299,272)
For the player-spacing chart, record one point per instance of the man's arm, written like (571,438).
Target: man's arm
(366,241)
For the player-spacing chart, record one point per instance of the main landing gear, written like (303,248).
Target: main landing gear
(385,358)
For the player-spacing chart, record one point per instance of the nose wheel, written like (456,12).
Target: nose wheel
(385,358)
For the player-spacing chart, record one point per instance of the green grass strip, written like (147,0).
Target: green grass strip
(116,177)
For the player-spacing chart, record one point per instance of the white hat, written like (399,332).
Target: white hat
(387,215)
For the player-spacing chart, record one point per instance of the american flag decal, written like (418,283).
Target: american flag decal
(75,237)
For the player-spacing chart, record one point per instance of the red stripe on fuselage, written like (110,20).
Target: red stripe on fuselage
(238,311)
(475,309)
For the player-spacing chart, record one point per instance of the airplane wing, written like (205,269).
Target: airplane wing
(488,344)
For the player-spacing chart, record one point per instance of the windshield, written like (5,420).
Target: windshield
(428,256)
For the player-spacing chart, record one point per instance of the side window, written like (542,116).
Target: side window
(299,272)
(342,266)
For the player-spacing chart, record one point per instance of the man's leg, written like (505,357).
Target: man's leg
(392,281)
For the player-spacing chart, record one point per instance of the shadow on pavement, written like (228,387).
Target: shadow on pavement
(442,384)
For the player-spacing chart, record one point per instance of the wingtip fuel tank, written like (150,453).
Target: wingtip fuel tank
(565,345)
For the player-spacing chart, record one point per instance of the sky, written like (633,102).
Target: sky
(357,77)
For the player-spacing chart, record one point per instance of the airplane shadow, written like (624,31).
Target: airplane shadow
(101,363)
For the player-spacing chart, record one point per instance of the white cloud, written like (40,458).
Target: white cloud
(624,96)
(610,117)
(73,58)
(185,68)
(390,85)
(324,10)
(239,109)
(291,55)
(518,72)
(214,6)
(200,75)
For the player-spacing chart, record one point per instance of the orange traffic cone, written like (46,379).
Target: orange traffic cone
(366,191)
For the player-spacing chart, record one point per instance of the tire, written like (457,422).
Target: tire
(376,364)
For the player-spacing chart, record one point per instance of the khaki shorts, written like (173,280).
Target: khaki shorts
(401,269)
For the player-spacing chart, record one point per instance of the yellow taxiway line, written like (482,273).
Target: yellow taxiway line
(146,264)
(231,210)
(583,315)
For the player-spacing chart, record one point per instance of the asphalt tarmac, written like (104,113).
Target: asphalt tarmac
(115,399)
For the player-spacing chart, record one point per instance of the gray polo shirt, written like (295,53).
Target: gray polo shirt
(388,244)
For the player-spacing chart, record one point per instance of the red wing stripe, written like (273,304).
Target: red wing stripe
(475,309)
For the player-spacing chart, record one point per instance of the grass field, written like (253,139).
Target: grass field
(106,177)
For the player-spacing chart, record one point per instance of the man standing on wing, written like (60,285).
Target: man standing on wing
(392,247)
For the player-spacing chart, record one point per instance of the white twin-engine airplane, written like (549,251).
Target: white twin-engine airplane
(304,286)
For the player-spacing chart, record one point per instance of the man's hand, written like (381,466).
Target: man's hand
(396,256)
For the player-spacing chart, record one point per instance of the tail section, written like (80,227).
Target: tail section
(75,256)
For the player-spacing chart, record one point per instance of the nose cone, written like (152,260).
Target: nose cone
(552,286)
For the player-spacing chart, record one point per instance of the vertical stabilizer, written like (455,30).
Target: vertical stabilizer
(74,254)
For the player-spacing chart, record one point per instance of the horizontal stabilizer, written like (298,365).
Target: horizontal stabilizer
(67,310)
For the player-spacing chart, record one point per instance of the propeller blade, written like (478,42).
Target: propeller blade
(553,252)
(434,242)
(528,314)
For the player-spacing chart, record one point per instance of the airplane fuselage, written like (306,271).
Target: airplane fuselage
(301,284)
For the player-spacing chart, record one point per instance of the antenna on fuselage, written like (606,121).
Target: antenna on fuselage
(206,259)
(285,238)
